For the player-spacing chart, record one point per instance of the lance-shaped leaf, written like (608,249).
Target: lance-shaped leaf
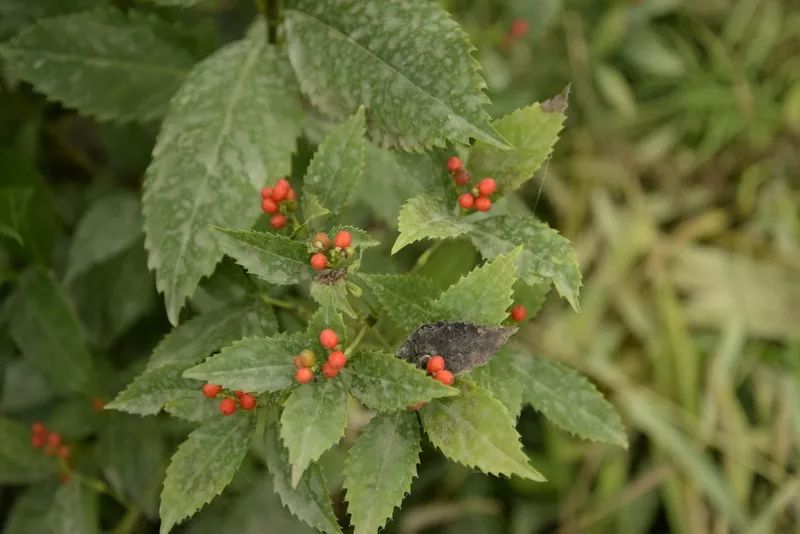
(203,465)
(44,326)
(273,257)
(312,421)
(253,364)
(194,407)
(384,382)
(75,509)
(309,501)
(501,377)
(532,131)
(13,205)
(463,346)
(485,294)
(338,165)
(124,72)
(231,128)
(150,390)
(570,401)
(380,468)
(406,298)
(476,430)
(18,14)
(110,226)
(29,512)
(547,256)
(194,340)
(19,462)
(427,217)
(347,53)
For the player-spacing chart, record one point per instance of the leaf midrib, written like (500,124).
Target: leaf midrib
(125,64)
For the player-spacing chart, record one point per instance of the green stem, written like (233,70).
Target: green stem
(426,256)
(285,304)
(128,522)
(357,341)
(272,20)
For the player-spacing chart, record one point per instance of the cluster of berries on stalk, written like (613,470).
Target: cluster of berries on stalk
(325,254)
(480,196)
(518,312)
(227,405)
(277,200)
(51,442)
(305,361)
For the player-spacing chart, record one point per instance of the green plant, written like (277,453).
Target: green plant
(309,312)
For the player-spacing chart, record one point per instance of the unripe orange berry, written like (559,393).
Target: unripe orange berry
(321,241)
(435,364)
(462,177)
(329,371)
(445,377)
(307,358)
(269,206)
(454,164)
(278,221)
(466,201)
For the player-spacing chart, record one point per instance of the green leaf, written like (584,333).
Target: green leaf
(111,225)
(75,509)
(17,14)
(231,128)
(47,332)
(194,407)
(204,334)
(28,515)
(427,217)
(203,465)
(384,382)
(333,295)
(476,430)
(570,401)
(501,377)
(149,391)
(273,257)
(125,72)
(347,53)
(406,298)
(309,501)
(19,462)
(532,131)
(253,364)
(379,470)
(13,206)
(326,316)
(338,165)
(547,256)
(485,294)
(313,420)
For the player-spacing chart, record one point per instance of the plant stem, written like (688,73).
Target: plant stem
(357,341)
(272,20)
(285,304)
(425,256)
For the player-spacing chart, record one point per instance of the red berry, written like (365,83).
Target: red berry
(211,390)
(247,402)
(307,358)
(445,377)
(328,339)
(343,239)
(462,177)
(38,440)
(519,28)
(319,261)
(337,359)
(518,312)
(54,439)
(280,191)
(291,196)
(487,186)
(278,221)
(466,201)
(483,204)
(227,406)
(266,192)
(38,428)
(321,241)
(269,206)
(329,371)
(304,375)
(435,364)
(238,393)
(454,164)
(64,452)
(98,404)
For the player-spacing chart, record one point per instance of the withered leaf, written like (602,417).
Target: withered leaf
(463,346)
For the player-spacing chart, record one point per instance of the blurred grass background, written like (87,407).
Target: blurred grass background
(678,179)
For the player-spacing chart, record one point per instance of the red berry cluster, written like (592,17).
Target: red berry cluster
(51,442)
(306,360)
(227,405)
(518,312)
(479,197)
(276,200)
(324,256)
(436,368)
